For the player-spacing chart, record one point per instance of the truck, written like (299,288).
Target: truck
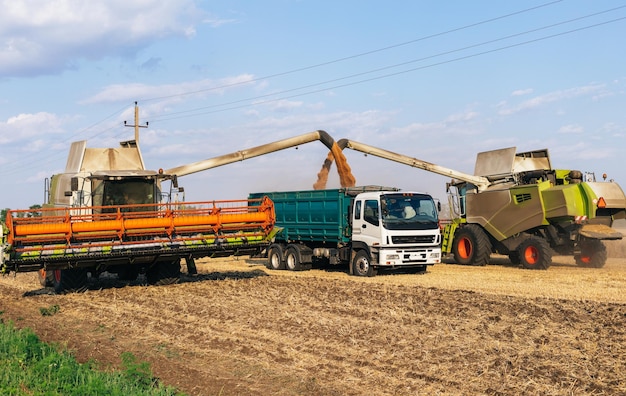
(516,204)
(367,228)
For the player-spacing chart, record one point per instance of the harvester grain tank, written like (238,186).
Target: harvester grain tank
(516,204)
(366,228)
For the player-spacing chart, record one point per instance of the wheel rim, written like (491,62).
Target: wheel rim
(465,248)
(531,255)
(291,261)
(274,260)
(585,259)
(57,276)
(362,265)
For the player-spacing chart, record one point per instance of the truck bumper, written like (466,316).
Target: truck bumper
(409,257)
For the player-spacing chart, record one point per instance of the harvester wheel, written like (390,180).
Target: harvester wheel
(72,280)
(471,245)
(362,264)
(45,277)
(293,261)
(535,253)
(592,254)
(275,259)
(164,273)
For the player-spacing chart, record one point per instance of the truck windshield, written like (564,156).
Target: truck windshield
(408,211)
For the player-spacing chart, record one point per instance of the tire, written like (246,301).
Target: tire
(592,254)
(535,253)
(164,273)
(275,258)
(73,280)
(362,264)
(471,245)
(293,261)
(45,277)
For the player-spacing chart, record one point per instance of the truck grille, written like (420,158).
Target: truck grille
(429,239)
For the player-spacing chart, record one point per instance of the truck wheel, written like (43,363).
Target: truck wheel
(73,280)
(292,259)
(45,277)
(471,245)
(275,260)
(592,254)
(535,253)
(164,273)
(362,264)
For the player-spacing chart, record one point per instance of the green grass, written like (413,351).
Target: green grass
(29,366)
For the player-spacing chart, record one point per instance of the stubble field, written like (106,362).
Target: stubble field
(240,329)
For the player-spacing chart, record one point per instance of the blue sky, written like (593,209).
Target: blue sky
(439,81)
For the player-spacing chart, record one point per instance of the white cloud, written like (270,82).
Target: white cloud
(571,129)
(39,38)
(553,97)
(26,126)
(168,92)
(521,92)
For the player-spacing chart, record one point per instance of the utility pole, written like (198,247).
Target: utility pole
(136,125)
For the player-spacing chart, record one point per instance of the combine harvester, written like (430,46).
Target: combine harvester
(517,205)
(107,213)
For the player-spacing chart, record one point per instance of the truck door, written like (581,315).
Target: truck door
(366,223)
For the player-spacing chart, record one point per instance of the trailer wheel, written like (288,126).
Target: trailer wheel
(292,259)
(73,280)
(45,277)
(592,254)
(164,273)
(535,253)
(362,264)
(471,245)
(275,259)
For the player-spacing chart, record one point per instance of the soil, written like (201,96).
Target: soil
(239,329)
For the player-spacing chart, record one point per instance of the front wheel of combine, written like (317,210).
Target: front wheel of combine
(471,245)
(592,254)
(72,280)
(362,264)
(164,273)
(535,253)
(275,260)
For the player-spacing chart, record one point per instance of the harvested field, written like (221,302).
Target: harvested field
(239,329)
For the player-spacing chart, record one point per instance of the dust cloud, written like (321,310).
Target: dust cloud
(345,172)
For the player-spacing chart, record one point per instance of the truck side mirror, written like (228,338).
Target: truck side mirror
(438,206)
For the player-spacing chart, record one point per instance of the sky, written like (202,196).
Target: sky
(438,81)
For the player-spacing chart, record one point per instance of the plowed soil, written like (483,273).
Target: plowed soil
(240,329)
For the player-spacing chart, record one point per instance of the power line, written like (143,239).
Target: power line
(356,55)
(196,113)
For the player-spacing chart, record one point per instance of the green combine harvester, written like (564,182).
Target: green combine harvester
(517,205)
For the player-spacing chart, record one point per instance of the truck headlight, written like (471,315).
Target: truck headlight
(393,257)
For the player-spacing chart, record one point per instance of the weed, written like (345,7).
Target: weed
(51,310)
